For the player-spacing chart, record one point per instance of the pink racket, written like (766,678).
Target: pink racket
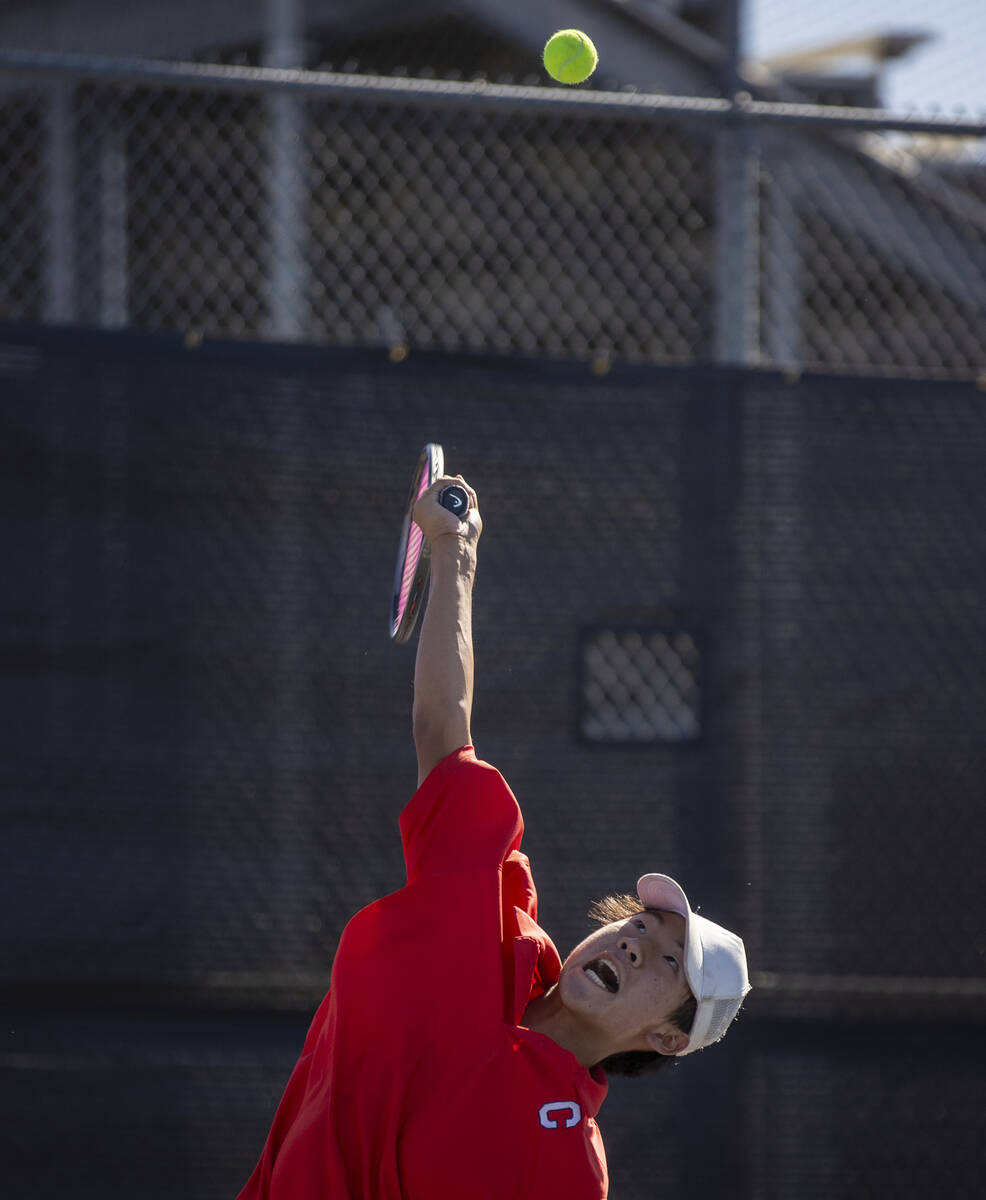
(413,556)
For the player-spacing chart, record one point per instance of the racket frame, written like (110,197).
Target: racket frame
(413,552)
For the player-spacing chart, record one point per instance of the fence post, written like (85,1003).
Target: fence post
(59,302)
(114,290)
(737,325)
(286,190)
(783,282)
(737,252)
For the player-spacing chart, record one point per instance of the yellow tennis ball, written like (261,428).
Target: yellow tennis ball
(570,56)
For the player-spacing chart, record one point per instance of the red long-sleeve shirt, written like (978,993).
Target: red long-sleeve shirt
(417,1081)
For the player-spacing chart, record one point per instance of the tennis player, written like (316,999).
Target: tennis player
(455,1055)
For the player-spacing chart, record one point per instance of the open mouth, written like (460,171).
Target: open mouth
(602,975)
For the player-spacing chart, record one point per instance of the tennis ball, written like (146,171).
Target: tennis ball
(570,56)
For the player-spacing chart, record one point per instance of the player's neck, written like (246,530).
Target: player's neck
(549,1016)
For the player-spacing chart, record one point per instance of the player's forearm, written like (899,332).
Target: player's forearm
(443,671)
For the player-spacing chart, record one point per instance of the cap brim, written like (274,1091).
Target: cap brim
(661,891)
(715,962)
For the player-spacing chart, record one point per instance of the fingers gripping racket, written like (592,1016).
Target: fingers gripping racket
(413,552)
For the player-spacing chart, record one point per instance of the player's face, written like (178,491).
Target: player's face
(628,978)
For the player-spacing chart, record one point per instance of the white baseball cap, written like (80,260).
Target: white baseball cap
(715,962)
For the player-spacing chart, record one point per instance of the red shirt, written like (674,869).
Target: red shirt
(416,1080)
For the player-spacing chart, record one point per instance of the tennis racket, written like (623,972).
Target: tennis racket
(413,552)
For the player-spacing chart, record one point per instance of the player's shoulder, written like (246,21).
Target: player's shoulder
(462,770)
(464,813)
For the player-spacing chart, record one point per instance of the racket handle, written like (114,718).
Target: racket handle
(455,499)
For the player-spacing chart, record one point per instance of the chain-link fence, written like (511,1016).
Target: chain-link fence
(423,214)
(775,695)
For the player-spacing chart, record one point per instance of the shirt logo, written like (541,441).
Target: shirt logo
(550,1115)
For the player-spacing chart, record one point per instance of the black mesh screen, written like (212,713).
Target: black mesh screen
(206,735)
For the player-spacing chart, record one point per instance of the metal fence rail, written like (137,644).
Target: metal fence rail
(415,214)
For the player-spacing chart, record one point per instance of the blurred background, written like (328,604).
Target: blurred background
(708,335)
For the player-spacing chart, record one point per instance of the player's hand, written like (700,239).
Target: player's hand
(436,522)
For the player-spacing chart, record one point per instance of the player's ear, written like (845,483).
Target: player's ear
(667,1040)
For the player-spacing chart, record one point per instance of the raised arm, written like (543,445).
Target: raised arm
(443,669)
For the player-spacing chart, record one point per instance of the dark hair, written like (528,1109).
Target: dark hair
(637,1062)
